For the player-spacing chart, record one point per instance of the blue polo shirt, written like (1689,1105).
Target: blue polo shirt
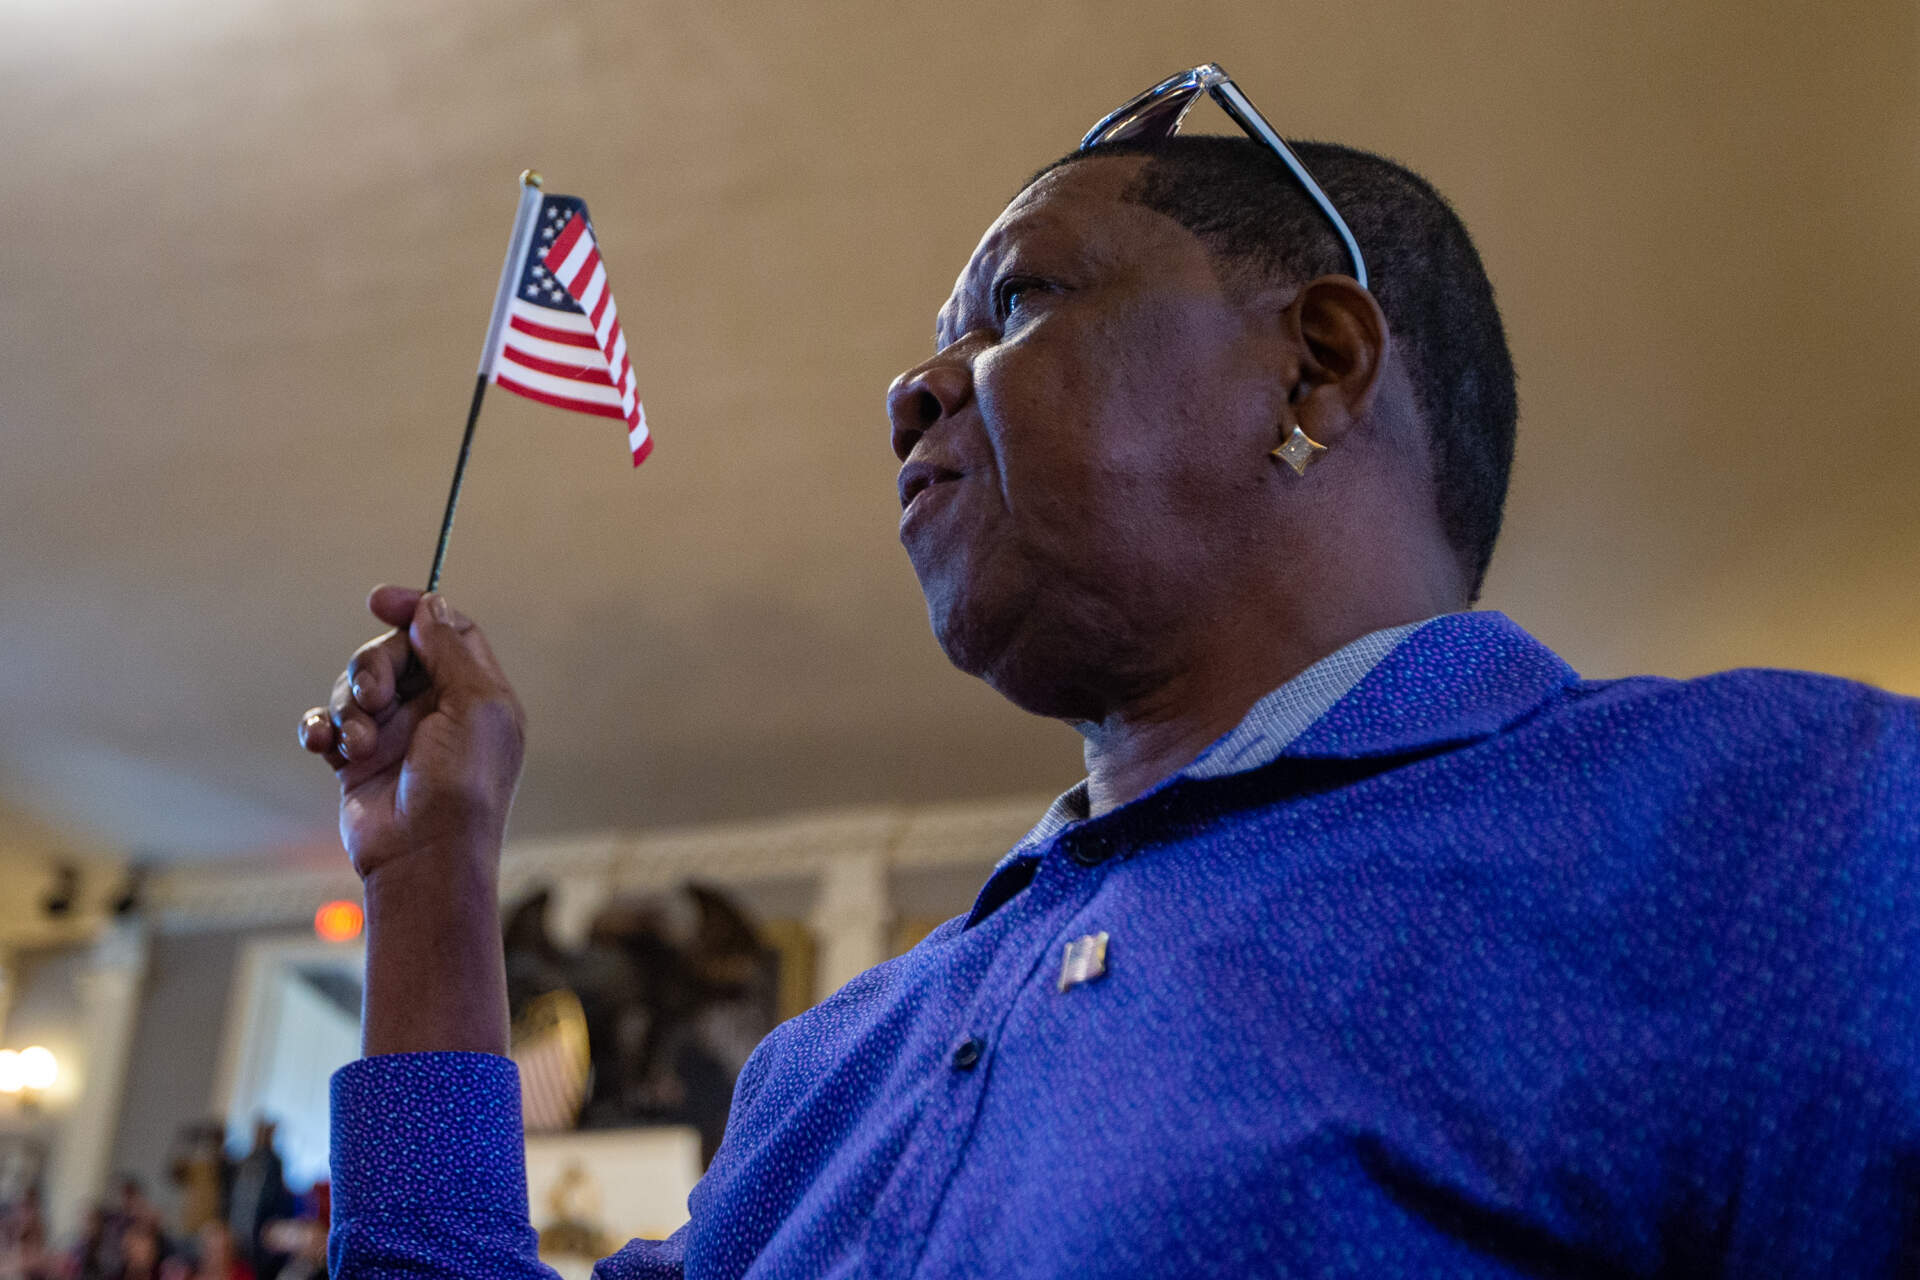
(1491,971)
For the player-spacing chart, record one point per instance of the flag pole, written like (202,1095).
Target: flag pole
(523,223)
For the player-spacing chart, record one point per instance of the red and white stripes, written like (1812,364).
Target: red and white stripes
(574,360)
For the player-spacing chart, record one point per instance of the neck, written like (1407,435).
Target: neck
(1151,737)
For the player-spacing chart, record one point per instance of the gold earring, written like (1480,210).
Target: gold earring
(1298,450)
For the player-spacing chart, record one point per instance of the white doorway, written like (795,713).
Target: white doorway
(294,1019)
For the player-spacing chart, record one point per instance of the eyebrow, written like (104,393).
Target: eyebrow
(995,257)
(940,340)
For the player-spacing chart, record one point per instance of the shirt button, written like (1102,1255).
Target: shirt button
(1091,850)
(966,1054)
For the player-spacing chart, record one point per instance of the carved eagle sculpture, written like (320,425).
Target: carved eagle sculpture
(649,1022)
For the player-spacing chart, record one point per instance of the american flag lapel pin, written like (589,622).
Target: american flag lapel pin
(1086,959)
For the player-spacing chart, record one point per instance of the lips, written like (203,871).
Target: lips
(917,477)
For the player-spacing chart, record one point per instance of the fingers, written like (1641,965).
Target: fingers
(375,703)
(369,692)
(385,748)
(352,726)
(374,745)
(360,743)
(364,695)
(376,673)
(316,732)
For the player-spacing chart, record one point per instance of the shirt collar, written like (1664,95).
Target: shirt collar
(1461,677)
(1453,679)
(1270,726)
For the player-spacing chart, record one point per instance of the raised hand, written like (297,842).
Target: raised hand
(424,732)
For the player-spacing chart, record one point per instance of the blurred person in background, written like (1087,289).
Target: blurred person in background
(302,1240)
(1377,941)
(216,1257)
(143,1254)
(199,1166)
(89,1258)
(23,1239)
(131,1215)
(259,1197)
(303,1243)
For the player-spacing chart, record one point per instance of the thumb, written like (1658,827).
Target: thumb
(453,650)
(393,605)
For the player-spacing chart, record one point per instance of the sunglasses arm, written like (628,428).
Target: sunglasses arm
(1235,104)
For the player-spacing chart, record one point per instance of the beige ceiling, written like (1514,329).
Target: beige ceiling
(250,246)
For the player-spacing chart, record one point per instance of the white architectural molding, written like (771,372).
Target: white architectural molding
(586,869)
(960,834)
(214,897)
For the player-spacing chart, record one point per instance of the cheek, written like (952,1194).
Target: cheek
(1091,450)
(1046,410)
(1120,438)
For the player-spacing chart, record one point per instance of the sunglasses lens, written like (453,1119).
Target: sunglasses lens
(1153,117)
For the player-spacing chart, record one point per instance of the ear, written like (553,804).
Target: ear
(1342,340)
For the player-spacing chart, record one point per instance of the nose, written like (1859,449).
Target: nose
(922,397)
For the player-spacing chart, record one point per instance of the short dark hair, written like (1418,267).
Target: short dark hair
(1239,199)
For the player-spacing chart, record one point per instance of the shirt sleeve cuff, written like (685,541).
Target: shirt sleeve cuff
(428,1132)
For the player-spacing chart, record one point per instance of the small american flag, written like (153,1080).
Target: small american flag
(550,1047)
(1086,959)
(561,342)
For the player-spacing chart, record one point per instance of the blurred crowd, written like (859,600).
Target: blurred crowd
(237,1221)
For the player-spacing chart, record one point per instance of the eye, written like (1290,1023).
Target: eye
(1007,295)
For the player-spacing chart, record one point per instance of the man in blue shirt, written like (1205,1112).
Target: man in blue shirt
(1376,942)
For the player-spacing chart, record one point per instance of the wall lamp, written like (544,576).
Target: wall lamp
(27,1073)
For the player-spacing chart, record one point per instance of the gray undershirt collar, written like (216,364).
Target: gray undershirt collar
(1267,729)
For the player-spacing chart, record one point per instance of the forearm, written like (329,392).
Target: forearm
(436,970)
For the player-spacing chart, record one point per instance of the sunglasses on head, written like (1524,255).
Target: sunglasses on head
(1157,113)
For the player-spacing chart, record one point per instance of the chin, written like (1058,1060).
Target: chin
(1015,653)
(970,636)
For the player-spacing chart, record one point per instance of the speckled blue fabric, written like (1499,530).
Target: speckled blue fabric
(1494,972)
